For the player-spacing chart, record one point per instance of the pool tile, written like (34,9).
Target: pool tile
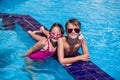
(88,71)
(85,78)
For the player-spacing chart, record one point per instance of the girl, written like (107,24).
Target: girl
(45,47)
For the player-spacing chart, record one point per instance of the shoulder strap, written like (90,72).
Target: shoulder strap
(48,43)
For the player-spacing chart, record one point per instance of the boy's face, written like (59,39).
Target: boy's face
(72,30)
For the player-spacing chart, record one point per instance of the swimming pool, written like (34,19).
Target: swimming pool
(12,66)
(100,25)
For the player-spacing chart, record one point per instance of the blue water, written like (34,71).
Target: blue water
(13,43)
(100,25)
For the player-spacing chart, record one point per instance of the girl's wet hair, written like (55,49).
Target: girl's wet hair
(59,26)
(74,22)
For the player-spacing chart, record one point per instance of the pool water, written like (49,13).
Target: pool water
(100,25)
(13,43)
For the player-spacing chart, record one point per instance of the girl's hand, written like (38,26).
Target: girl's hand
(80,37)
(22,55)
(33,32)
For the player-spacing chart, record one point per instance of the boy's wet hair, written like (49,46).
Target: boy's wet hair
(74,22)
(59,26)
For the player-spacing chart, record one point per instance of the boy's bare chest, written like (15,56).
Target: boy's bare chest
(71,48)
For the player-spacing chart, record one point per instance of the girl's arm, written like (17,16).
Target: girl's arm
(38,45)
(38,37)
(44,31)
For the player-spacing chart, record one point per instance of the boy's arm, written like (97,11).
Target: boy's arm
(84,45)
(61,57)
(85,52)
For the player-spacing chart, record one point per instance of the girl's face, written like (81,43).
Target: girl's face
(55,33)
(73,31)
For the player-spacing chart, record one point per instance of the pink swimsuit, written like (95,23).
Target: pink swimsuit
(41,55)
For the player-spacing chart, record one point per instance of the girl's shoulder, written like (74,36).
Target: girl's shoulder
(46,40)
(62,38)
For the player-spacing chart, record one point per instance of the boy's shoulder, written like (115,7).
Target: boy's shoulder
(62,39)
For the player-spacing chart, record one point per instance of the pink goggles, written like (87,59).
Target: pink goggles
(54,34)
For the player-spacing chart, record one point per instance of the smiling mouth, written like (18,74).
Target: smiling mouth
(73,34)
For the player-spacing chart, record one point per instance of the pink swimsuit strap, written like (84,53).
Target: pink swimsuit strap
(49,47)
(42,54)
(47,50)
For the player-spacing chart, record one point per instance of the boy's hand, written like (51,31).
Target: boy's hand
(85,57)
